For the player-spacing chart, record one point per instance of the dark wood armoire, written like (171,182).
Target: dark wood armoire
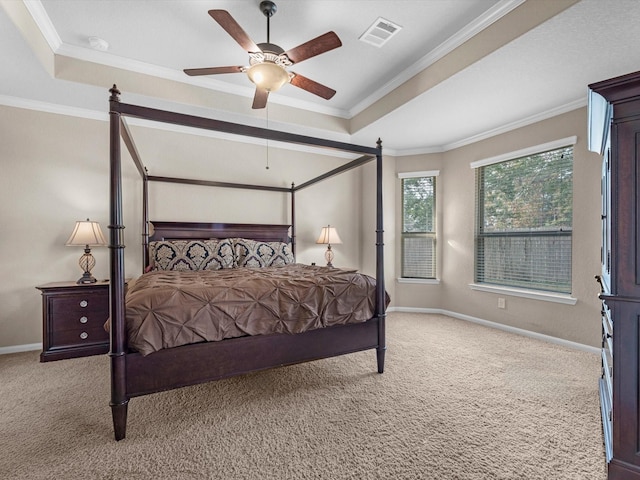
(614,132)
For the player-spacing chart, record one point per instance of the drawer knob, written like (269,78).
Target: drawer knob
(84,303)
(84,335)
(84,319)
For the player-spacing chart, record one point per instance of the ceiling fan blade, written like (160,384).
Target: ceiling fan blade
(212,70)
(314,47)
(227,22)
(312,86)
(260,98)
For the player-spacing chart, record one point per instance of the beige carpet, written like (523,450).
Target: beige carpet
(457,401)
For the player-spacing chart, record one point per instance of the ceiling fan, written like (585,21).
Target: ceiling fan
(268,62)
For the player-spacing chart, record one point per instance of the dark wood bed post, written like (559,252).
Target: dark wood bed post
(380,288)
(119,400)
(145,221)
(293,219)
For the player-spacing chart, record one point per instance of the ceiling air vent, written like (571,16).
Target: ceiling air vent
(380,32)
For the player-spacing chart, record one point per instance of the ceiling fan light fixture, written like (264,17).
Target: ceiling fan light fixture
(268,62)
(268,75)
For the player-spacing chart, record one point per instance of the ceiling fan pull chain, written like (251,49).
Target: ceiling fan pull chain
(267,112)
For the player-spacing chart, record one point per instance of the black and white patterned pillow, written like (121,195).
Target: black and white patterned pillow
(256,254)
(191,254)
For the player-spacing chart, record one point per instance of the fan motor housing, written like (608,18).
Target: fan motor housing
(270,48)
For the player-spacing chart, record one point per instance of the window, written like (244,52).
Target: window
(418,236)
(524,220)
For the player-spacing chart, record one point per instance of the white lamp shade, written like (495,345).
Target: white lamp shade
(329,235)
(86,233)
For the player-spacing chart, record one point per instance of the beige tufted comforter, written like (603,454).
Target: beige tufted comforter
(166,309)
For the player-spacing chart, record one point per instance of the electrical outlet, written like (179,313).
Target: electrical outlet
(502,303)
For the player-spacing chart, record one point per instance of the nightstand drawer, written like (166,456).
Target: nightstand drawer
(80,304)
(79,336)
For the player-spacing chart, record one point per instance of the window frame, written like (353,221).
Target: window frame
(530,291)
(431,234)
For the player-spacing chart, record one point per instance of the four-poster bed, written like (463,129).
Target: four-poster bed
(134,374)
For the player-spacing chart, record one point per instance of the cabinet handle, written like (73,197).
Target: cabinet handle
(84,303)
(84,335)
(84,319)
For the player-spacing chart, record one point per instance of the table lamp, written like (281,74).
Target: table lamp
(89,234)
(329,235)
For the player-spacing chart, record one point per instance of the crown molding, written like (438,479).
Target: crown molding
(553,112)
(57,109)
(44,24)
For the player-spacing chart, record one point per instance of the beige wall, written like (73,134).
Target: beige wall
(456,209)
(55,171)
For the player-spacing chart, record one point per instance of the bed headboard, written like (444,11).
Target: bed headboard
(196,230)
(204,231)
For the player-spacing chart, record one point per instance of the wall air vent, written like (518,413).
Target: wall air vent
(380,32)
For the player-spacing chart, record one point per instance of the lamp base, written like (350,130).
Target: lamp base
(328,256)
(87,262)
(86,278)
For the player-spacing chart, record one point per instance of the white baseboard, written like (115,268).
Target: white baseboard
(500,326)
(20,348)
(460,316)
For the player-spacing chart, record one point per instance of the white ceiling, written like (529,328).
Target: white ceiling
(542,72)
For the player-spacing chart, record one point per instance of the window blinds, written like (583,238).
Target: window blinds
(524,221)
(418,237)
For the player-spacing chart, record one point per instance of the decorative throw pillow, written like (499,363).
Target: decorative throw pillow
(255,254)
(191,254)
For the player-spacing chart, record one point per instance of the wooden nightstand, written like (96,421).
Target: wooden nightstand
(73,316)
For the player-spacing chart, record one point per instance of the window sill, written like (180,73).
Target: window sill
(422,281)
(521,292)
